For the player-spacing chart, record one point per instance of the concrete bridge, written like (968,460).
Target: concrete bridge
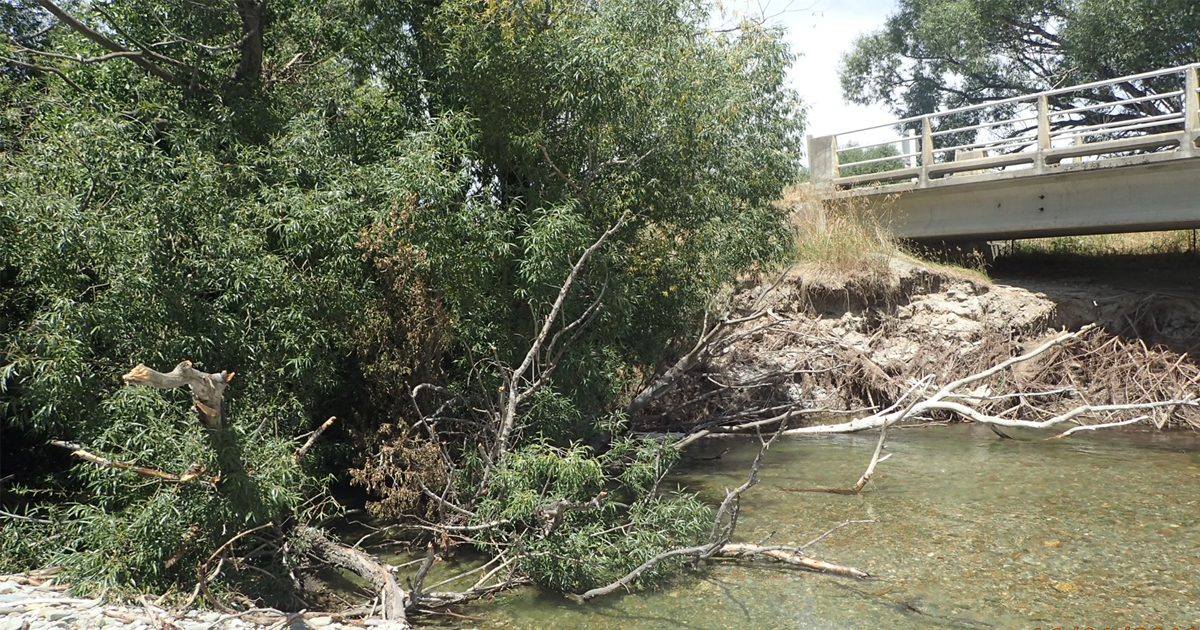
(1106,157)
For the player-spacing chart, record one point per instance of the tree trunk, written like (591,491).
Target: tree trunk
(394,599)
(251,12)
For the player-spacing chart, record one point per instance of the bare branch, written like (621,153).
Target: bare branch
(1093,427)
(303,450)
(831,530)
(515,395)
(742,550)
(207,389)
(82,453)
(95,36)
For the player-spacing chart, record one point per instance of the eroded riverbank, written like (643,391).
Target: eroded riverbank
(862,340)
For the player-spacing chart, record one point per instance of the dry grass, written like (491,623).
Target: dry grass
(1171,242)
(836,239)
(836,242)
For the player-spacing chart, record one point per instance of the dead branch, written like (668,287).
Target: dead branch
(787,556)
(516,393)
(1093,427)
(942,400)
(208,390)
(875,459)
(414,585)
(711,339)
(303,450)
(79,451)
(832,530)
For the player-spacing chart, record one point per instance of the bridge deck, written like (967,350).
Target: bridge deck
(1062,173)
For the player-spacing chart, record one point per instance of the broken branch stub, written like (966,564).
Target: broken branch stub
(208,390)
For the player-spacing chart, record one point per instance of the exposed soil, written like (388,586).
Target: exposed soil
(863,340)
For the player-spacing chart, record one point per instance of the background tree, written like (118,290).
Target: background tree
(942,54)
(852,153)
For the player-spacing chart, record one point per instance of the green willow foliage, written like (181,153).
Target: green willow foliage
(395,195)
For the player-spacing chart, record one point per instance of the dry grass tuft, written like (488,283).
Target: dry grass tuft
(1170,242)
(836,239)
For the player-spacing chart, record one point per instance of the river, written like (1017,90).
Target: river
(1099,530)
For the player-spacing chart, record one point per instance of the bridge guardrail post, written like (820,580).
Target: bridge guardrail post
(1043,132)
(926,151)
(1191,109)
(822,160)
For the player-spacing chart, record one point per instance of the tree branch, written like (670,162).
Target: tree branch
(208,390)
(95,36)
(303,450)
(515,394)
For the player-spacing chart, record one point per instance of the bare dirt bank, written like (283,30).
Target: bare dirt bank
(862,341)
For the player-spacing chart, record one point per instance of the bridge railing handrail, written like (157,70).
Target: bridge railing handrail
(823,151)
(1017,99)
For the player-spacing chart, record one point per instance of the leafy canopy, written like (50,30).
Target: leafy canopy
(942,54)
(339,201)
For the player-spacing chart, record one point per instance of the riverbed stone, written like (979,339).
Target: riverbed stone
(14,622)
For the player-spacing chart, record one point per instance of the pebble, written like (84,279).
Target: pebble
(27,606)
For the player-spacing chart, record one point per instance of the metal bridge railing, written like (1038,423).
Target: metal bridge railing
(1143,113)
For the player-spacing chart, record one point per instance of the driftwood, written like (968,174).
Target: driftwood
(394,599)
(950,398)
(789,556)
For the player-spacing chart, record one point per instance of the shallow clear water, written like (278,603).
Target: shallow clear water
(971,532)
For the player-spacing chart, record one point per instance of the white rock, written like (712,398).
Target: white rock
(320,622)
(14,622)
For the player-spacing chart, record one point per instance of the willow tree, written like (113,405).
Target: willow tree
(471,230)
